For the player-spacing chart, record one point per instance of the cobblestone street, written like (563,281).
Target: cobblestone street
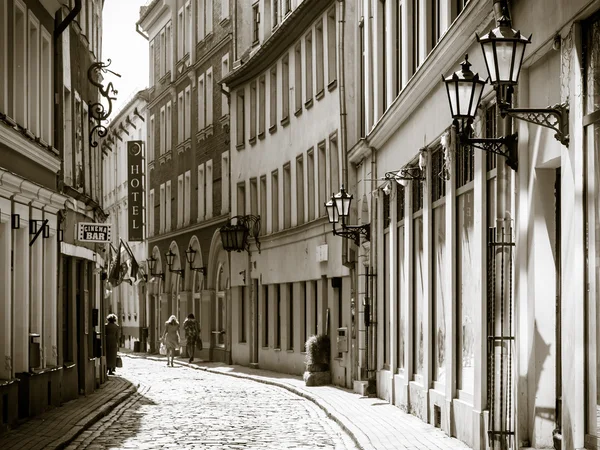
(178,407)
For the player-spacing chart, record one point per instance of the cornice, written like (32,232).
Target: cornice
(190,228)
(475,18)
(288,32)
(33,192)
(36,154)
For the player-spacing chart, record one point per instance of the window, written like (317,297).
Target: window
(255,24)
(287,196)
(416,19)
(162,55)
(224,9)
(273,99)
(253,197)
(459,6)
(209,189)
(300,190)
(240,118)
(285,89)
(310,183)
(151,139)
(400,279)
(162,131)
(168,127)
(187,113)
(241,198)
(46,92)
(200,7)
(68,137)
(201,192)
(209,16)
(261,106)
(331,46)
(288,6)
(224,72)
(290,318)
(298,80)
(308,51)
(209,96)
(263,204)
(187,204)
(320,64)
(278,316)
(180,34)
(435,25)
(225,182)
(180,118)
(179,201)
(304,314)
(188,26)
(20,64)
(397,50)
(315,287)
(163,204)
(322,178)
(201,103)
(78,119)
(168,200)
(4,58)
(242,314)
(265,322)
(274,202)
(151,213)
(253,112)
(168,49)
(275,9)
(334,164)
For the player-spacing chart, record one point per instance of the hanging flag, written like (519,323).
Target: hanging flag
(114,276)
(133,274)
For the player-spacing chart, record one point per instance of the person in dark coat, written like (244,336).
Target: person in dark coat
(113,333)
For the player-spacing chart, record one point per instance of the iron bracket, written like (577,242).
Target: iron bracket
(554,117)
(505,146)
(354,232)
(406,173)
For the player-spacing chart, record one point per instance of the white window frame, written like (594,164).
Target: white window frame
(151,213)
(187,107)
(168,126)
(209,189)
(224,72)
(163,54)
(201,103)
(20,90)
(187,28)
(163,208)
(180,119)
(224,9)
(168,47)
(201,30)
(168,206)
(187,184)
(180,197)
(162,131)
(151,139)
(151,59)
(180,33)
(209,16)
(4,57)
(225,182)
(201,192)
(46,91)
(209,96)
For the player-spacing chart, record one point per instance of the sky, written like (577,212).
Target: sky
(125,47)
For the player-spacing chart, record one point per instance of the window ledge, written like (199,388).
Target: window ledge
(332,85)
(200,136)
(308,103)
(224,21)
(261,135)
(320,94)
(209,130)
(252,140)
(285,121)
(272,129)
(277,349)
(240,146)
(290,350)
(298,112)
(165,77)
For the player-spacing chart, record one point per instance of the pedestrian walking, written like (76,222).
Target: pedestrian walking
(171,338)
(112,332)
(192,335)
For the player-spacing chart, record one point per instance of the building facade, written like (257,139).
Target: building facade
(48,355)
(286,162)
(127,300)
(190,45)
(489,335)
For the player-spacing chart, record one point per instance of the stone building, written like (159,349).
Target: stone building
(190,45)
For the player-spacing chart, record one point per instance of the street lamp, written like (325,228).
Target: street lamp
(190,254)
(237,230)
(170,259)
(406,174)
(464,89)
(338,209)
(151,265)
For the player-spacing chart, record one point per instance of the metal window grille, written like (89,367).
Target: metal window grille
(465,165)
(386,211)
(417,193)
(438,184)
(491,131)
(400,202)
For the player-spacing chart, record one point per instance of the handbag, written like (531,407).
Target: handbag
(162,350)
(119,362)
(199,343)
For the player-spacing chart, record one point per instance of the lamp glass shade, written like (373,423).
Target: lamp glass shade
(464,89)
(170,256)
(190,253)
(503,51)
(342,202)
(240,237)
(332,212)
(227,237)
(151,263)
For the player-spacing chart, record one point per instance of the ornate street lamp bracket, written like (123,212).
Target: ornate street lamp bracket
(555,117)
(505,146)
(354,232)
(234,236)
(97,111)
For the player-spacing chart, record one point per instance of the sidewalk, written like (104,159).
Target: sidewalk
(56,428)
(373,423)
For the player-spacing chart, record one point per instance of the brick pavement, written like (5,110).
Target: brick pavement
(56,428)
(372,423)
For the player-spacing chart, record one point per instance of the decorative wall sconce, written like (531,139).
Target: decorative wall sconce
(235,234)
(97,111)
(338,209)
(170,259)
(151,265)
(406,174)
(190,253)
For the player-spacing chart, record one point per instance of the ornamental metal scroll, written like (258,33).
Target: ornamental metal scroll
(97,111)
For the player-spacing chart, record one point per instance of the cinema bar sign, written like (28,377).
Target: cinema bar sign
(94,232)
(135,190)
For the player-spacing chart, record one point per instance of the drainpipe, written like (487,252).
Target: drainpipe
(70,17)
(139,31)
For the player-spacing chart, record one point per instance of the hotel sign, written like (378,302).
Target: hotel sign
(94,232)
(135,190)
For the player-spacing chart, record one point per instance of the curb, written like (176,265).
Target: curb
(92,418)
(292,389)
